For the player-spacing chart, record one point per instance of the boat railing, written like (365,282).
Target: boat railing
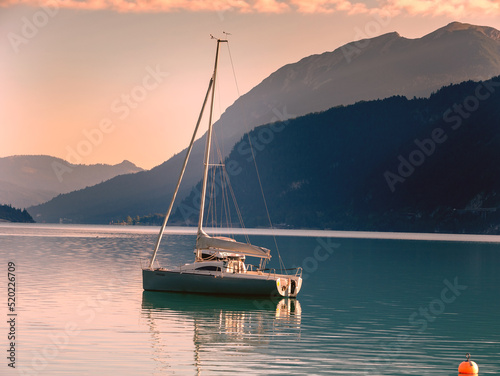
(273,272)
(253,268)
(298,272)
(158,266)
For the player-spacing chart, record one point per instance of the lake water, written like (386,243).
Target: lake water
(367,307)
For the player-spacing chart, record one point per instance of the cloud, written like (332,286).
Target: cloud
(328,6)
(264,6)
(452,8)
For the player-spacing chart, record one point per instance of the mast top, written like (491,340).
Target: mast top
(219,39)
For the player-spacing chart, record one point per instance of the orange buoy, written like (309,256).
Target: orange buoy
(468,367)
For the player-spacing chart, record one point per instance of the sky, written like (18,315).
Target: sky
(102,81)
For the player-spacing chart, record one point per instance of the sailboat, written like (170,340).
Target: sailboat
(219,265)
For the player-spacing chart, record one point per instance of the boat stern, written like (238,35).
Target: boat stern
(289,286)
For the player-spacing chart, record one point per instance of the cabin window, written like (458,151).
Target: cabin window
(210,268)
(236,267)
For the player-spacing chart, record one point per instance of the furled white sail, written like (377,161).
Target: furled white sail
(204,241)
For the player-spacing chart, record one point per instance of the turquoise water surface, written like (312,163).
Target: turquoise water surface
(367,307)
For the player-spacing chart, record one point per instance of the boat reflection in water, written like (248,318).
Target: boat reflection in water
(191,333)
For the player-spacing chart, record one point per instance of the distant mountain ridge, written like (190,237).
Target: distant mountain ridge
(418,165)
(374,68)
(27,180)
(388,65)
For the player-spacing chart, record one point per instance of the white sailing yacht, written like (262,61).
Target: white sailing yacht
(219,266)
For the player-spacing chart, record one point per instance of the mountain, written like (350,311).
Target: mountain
(369,69)
(419,165)
(27,180)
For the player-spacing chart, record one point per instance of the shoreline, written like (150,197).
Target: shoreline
(182,230)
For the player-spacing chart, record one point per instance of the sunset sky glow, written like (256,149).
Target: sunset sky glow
(100,81)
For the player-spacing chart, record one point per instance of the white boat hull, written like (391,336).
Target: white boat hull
(249,284)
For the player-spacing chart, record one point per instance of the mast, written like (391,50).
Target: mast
(211,89)
(208,143)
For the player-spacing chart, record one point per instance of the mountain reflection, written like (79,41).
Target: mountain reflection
(191,333)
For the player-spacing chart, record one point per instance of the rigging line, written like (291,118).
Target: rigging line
(225,211)
(282,266)
(222,202)
(216,151)
(219,103)
(226,176)
(210,212)
(223,195)
(208,142)
(225,179)
(238,212)
(225,198)
(210,217)
(184,164)
(212,208)
(232,66)
(215,169)
(213,199)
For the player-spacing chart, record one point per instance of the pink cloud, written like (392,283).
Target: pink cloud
(453,8)
(328,6)
(263,6)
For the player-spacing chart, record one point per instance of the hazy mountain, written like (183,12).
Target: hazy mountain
(27,180)
(369,69)
(420,165)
